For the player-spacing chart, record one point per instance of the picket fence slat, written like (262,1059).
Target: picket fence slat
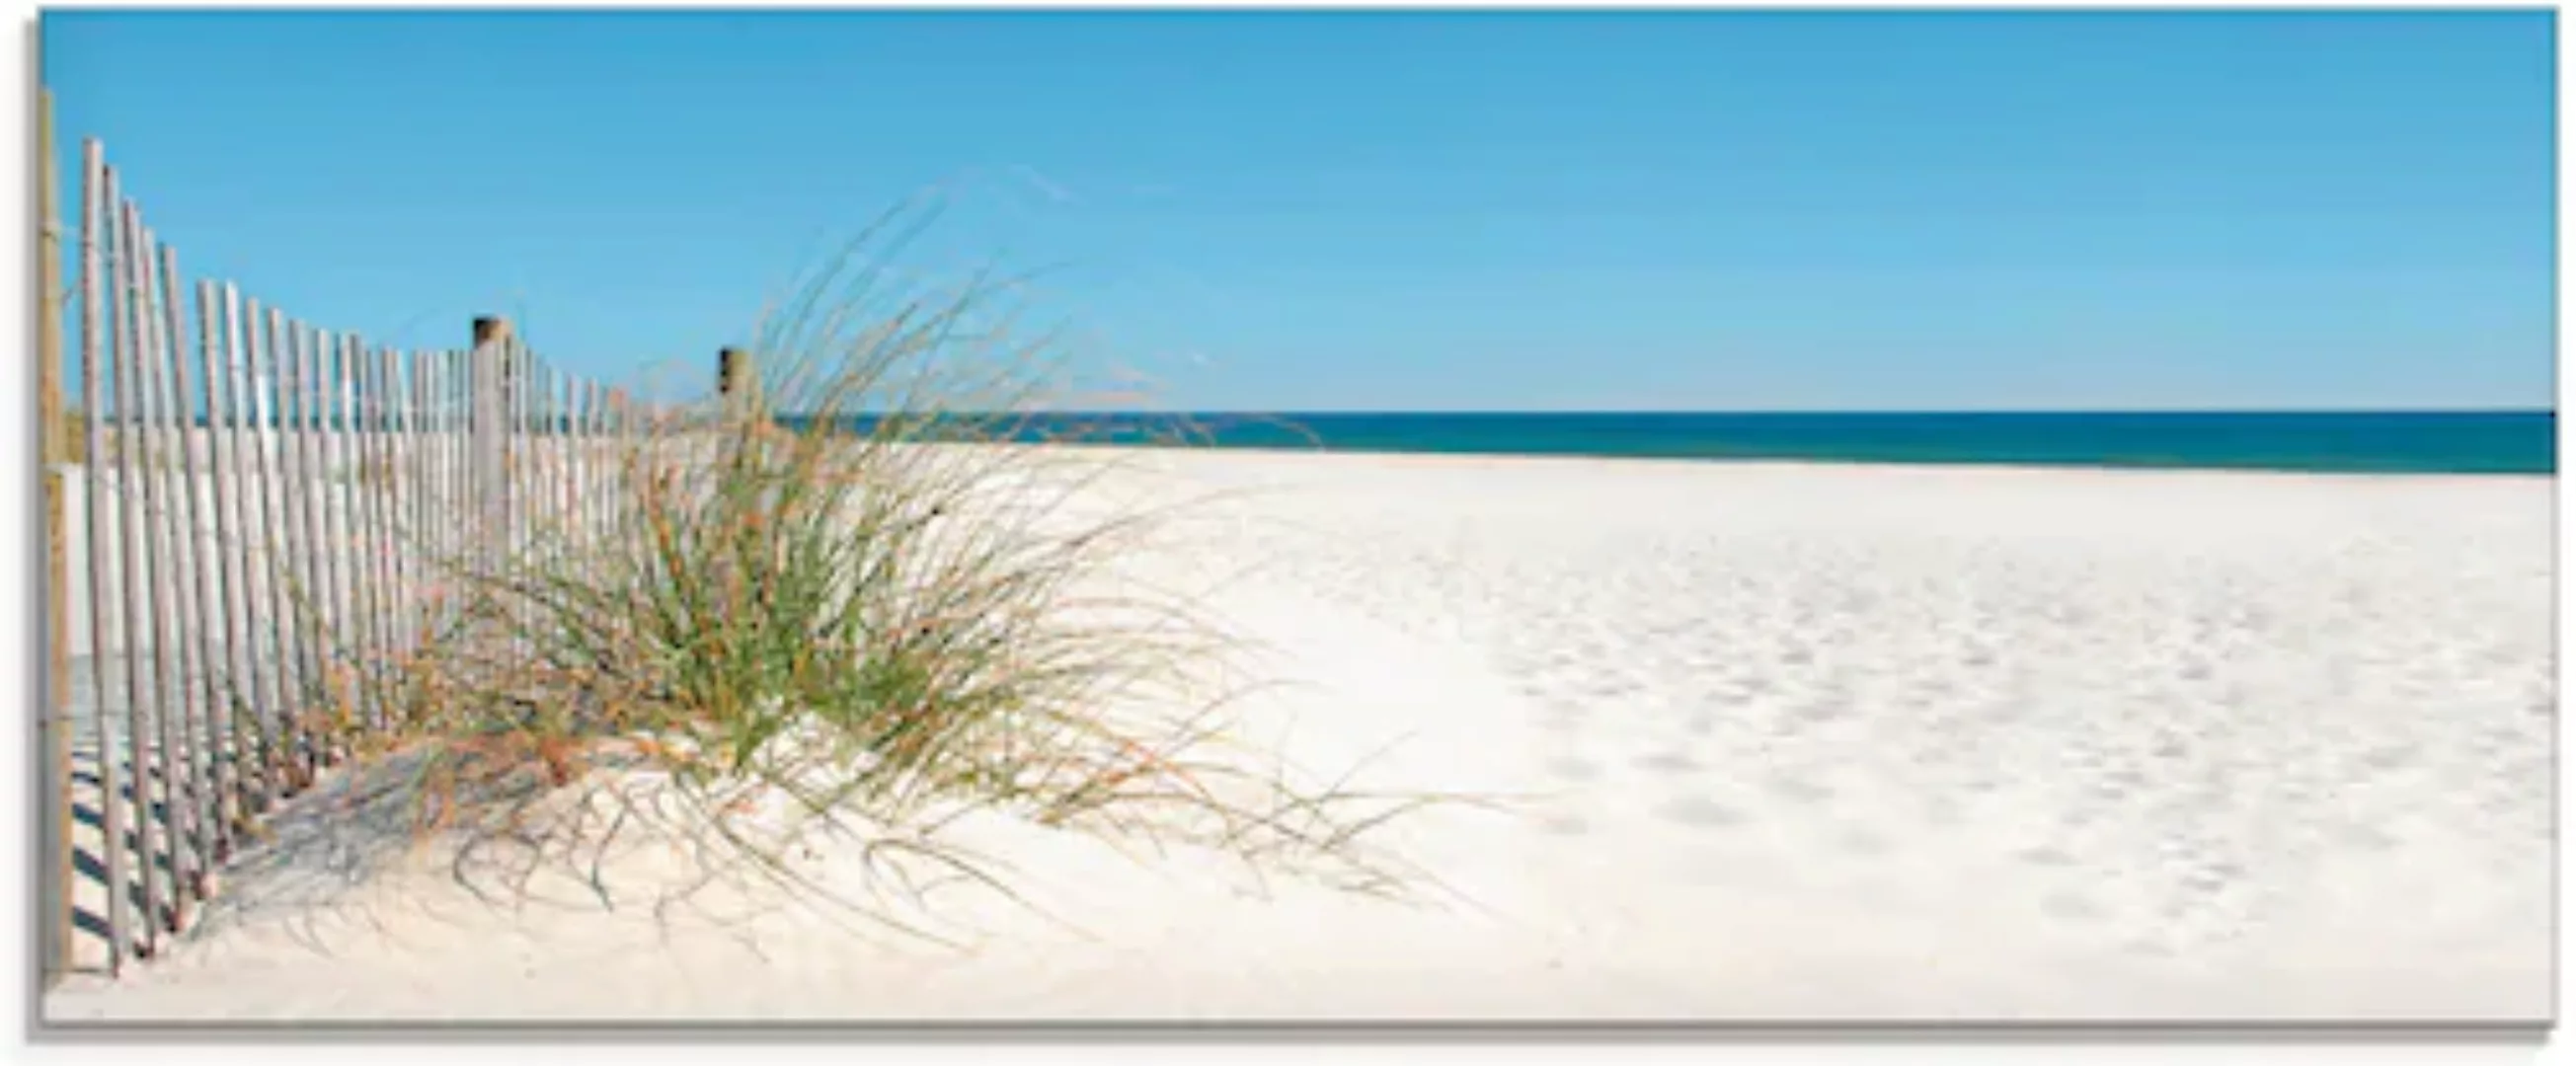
(275,522)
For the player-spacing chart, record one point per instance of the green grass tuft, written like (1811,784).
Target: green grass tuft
(889,628)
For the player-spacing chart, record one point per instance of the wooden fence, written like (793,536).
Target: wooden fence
(254,522)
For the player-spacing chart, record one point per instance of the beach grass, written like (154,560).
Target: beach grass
(868,628)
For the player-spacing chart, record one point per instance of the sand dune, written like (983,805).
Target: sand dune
(1788,743)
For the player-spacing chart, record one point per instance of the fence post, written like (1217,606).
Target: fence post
(221,456)
(54,722)
(489,435)
(731,366)
(198,600)
(98,357)
(163,547)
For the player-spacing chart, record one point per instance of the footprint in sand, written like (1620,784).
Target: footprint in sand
(1826,707)
(2070,906)
(2115,785)
(2048,855)
(1700,812)
(2213,877)
(1573,769)
(1564,825)
(1799,789)
(1863,843)
(2361,837)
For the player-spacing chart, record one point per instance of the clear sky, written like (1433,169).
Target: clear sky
(1312,212)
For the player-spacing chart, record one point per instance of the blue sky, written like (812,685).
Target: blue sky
(1706,210)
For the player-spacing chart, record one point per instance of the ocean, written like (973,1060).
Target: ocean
(2481,442)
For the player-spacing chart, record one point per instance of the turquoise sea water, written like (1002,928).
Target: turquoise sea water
(2483,442)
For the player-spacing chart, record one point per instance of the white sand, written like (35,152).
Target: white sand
(1802,744)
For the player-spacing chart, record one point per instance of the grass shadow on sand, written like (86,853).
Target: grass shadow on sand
(785,662)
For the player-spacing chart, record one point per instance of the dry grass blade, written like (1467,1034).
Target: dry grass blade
(857,600)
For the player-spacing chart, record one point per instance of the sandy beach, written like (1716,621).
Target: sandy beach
(1781,743)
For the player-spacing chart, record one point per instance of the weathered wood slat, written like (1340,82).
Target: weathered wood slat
(278,521)
(141,696)
(225,630)
(164,553)
(97,291)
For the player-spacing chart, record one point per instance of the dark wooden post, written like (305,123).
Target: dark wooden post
(737,380)
(491,372)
